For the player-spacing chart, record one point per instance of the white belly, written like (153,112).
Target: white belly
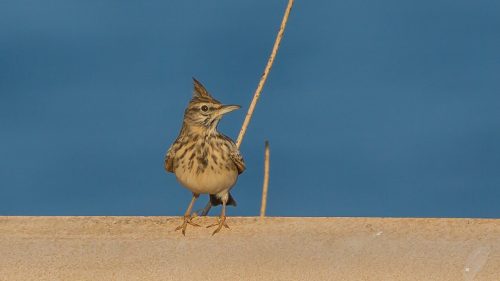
(208,181)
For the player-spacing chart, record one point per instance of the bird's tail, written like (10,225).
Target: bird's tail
(216,201)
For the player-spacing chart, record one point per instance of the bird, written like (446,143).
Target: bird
(204,160)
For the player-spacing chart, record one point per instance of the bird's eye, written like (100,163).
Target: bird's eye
(204,108)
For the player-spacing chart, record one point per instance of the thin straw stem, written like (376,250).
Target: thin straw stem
(265,74)
(265,185)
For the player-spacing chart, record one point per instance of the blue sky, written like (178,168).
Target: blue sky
(372,108)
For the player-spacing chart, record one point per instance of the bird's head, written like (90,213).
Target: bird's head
(203,110)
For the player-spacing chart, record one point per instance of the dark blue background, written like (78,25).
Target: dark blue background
(373,108)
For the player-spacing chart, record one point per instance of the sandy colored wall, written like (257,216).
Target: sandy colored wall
(148,248)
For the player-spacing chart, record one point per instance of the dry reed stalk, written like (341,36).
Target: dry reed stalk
(265,74)
(265,185)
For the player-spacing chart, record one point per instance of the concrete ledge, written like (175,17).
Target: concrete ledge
(147,248)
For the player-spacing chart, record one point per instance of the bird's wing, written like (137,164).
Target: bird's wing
(234,154)
(169,159)
(238,160)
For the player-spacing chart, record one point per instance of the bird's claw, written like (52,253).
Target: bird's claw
(221,221)
(183,226)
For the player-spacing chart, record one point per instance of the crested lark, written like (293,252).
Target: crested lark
(202,159)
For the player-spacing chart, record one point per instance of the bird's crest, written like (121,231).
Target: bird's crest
(200,93)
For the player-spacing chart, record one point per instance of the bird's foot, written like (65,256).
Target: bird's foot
(187,220)
(221,221)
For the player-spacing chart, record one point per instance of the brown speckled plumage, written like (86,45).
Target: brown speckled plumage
(204,160)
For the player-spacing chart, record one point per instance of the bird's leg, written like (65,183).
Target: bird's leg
(187,216)
(221,221)
(203,212)
(207,208)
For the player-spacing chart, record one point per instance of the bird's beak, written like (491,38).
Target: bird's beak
(227,108)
